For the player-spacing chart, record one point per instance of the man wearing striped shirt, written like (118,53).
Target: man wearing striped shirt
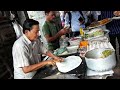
(113,26)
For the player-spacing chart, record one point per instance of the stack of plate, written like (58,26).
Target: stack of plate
(99,44)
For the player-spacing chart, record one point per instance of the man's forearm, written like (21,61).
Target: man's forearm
(50,54)
(34,67)
(53,38)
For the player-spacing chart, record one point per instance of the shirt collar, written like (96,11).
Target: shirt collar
(28,41)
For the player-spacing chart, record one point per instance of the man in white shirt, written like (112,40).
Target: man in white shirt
(76,24)
(27,52)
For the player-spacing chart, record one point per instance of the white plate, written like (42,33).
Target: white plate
(69,64)
(116,17)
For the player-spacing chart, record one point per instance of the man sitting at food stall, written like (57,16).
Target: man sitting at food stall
(27,52)
(51,31)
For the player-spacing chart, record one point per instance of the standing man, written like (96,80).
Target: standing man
(76,20)
(52,31)
(27,52)
(114,27)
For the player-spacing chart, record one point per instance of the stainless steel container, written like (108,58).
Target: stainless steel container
(94,62)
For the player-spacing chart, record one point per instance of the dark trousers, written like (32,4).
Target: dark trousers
(75,34)
(113,42)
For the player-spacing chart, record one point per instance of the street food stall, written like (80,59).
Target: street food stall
(89,55)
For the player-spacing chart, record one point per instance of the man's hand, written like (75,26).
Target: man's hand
(53,62)
(58,59)
(63,24)
(116,13)
(63,31)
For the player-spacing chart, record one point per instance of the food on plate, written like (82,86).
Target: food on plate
(101,22)
(94,34)
(94,24)
(100,32)
(83,43)
(106,53)
(104,21)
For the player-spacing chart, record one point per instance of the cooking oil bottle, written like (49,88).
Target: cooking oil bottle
(81,32)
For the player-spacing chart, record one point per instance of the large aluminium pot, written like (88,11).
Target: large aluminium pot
(94,62)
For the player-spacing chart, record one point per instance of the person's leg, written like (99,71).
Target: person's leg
(76,34)
(118,39)
(71,34)
(113,42)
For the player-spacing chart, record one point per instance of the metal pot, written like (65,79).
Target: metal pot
(94,62)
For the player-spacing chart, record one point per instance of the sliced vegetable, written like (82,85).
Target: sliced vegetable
(106,53)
